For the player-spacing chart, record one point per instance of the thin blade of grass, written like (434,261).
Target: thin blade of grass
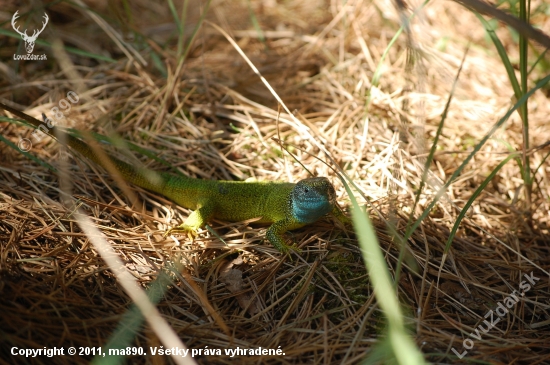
(431,157)
(158,324)
(28,155)
(130,324)
(474,196)
(16,148)
(404,349)
(69,49)
(457,172)
(438,133)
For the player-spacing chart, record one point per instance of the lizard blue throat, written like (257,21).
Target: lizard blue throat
(312,199)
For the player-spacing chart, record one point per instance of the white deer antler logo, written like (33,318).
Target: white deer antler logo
(29,41)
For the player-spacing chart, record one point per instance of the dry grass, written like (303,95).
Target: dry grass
(216,120)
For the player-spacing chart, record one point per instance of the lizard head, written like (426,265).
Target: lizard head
(311,199)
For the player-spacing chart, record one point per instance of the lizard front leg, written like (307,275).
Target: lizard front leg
(196,220)
(275,235)
(337,213)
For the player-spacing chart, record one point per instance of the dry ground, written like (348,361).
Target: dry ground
(214,119)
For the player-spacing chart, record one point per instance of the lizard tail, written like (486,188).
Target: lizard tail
(141,177)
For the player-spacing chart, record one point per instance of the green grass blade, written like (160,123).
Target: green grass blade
(72,50)
(474,197)
(437,135)
(503,55)
(404,349)
(457,172)
(430,159)
(378,72)
(195,31)
(256,24)
(131,324)
(30,156)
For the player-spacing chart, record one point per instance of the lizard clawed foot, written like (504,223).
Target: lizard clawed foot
(345,220)
(182,228)
(287,249)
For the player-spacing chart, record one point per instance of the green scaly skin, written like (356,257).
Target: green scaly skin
(286,205)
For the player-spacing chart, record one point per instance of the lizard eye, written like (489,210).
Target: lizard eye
(306,190)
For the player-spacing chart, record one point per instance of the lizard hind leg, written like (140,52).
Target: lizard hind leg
(196,220)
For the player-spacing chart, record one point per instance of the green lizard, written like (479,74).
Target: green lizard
(286,205)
